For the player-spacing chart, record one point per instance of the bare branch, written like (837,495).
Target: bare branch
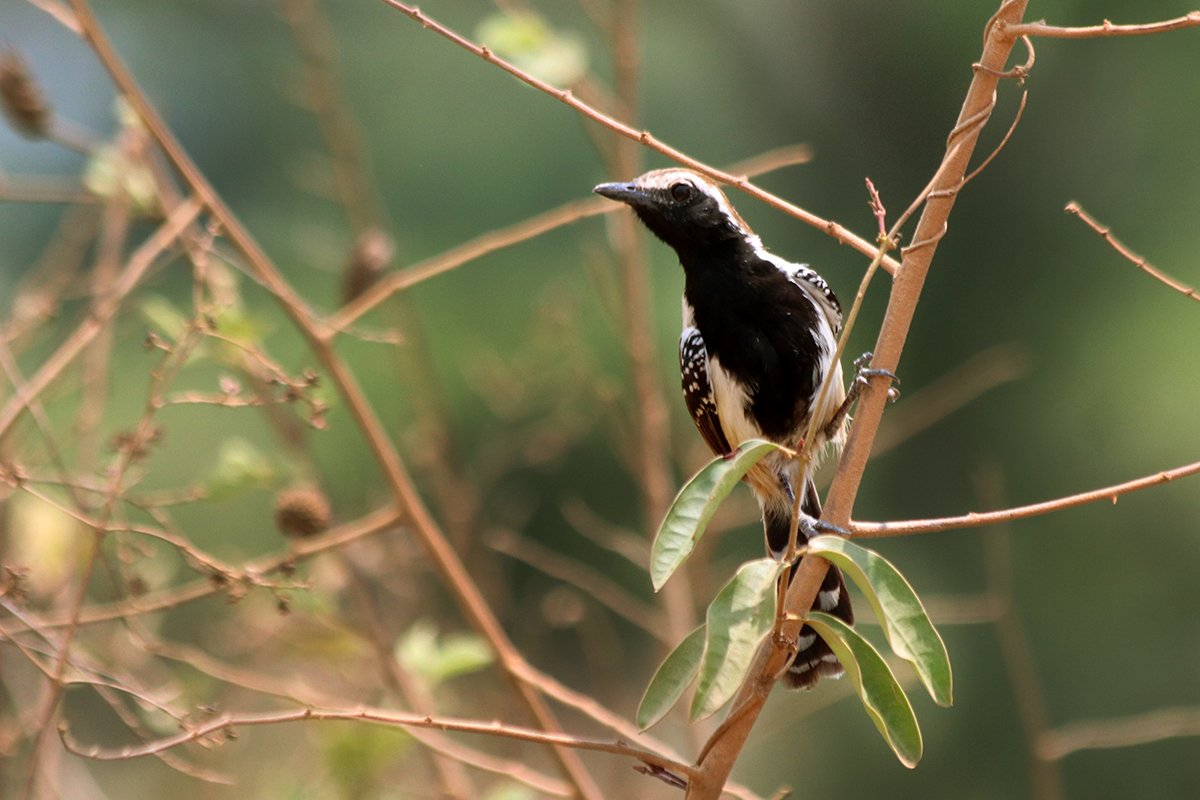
(458,579)
(1141,263)
(141,261)
(585,578)
(1153,726)
(871,530)
(906,290)
(840,234)
(523,231)
(939,399)
(1100,31)
(226,722)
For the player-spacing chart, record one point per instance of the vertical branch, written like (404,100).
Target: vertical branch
(314,40)
(114,228)
(1014,648)
(720,755)
(651,427)
(456,783)
(359,197)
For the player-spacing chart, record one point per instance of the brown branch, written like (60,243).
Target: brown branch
(448,563)
(906,290)
(1015,648)
(461,254)
(650,441)
(523,231)
(60,13)
(1100,31)
(839,234)
(584,578)
(304,694)
(1105,233)
(43,190)
(376,522)
(139,263)
(313,37)
(871,530)
(227,722)
(933,403)
(1152,726)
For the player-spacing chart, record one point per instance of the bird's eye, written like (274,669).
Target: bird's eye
(681,192)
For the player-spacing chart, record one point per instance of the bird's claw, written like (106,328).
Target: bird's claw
(814,526)
(863,372)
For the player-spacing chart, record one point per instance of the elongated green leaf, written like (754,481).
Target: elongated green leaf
(695,505)
(881,695)
(905,622)
(738,619)
(675,674)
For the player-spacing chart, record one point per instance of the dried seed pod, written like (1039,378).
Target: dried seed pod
(24,104)
(301,511)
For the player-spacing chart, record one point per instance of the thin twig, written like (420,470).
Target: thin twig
(586,579)
(377,521)
(939,399)
(1100,31)
(840,234)
(1105,233)
(141,261)
(226,722)
(649,445)
(523,231)
(1152,726)
(454,572)
(1015,647)
(871,530)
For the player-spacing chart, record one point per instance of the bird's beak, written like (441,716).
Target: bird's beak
(628,193)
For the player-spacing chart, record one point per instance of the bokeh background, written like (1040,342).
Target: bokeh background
(512,394)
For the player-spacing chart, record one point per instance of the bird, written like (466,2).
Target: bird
(759,338)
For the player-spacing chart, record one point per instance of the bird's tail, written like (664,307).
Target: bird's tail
(814,658)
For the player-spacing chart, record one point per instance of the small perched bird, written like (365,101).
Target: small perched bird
(759,336)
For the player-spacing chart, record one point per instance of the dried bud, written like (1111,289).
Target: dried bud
(24,105)
(373,251)
(301,511)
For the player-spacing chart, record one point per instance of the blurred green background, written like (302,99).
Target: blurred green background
(530,375)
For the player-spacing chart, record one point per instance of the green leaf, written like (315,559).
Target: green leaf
(675,674)
(166,318)
(240,466)
(905,621)
(439,658)
(881,695)
(739,618)
(510,791)
(526,39)
(695,505)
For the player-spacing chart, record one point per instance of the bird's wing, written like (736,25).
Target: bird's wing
(698,392)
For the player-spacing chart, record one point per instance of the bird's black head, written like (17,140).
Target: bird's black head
(681,207)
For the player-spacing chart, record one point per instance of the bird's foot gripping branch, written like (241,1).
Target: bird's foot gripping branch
(718,655)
